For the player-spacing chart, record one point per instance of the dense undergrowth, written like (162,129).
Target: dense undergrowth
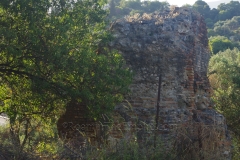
(182,144)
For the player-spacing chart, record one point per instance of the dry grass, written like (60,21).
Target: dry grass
(197,141)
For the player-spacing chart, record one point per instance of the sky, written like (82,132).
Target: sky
(182,2)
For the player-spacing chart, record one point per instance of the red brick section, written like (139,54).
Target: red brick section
(190,74)
(74,124)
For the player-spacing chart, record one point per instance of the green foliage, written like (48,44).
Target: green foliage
(236,148)
(202,7)
(132,150)
(213,14)
(219,23)
(136,5)
(136,12)
(211,33)
(227,11)
(228,28)
(232,24)
(130,7)
(223,30)
(59,55)
(209,22)
(42,141)
(222,13)
(50,53)
(187,5)
(224,76)
(153,6)
(219,43)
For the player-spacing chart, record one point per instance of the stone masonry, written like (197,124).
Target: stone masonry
(168,54)
(172,46)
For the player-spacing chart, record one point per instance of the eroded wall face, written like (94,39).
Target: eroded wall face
(168,53)
(172,46)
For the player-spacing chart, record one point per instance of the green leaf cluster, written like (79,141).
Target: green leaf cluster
(202,7)
(54,51)
(120,8)
(224,76)
(220,43)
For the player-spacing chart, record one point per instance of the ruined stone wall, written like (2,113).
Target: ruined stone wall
(168,54)
(172,46)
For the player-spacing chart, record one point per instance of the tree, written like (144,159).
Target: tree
(211,33)
(213,14)
(187,5)
(202,7)
(228,28)
(236,18)
(52,52)
(223,31)
(133,4)
(152,6)
(224,76)
(209,22)
(224,14)
(227,11)
(219,43)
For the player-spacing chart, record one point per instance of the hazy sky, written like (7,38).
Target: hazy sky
(182,2)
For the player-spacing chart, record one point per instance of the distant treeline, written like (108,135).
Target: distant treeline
(120,8)
(223,12)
